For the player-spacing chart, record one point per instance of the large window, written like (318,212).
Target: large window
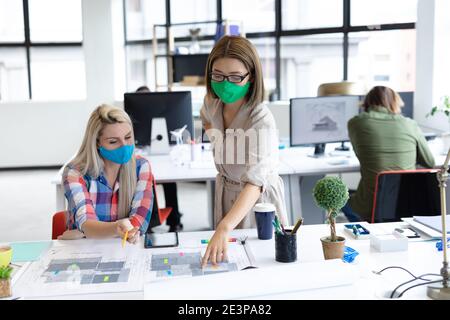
(11,21)
(256,15)
(57,73)
(302,43)
(192,11)
(308,61)
(370,12)
(141,15)
(13,74)
(383,58)
(41,55)
(55,21)
(310,14)
(266,52)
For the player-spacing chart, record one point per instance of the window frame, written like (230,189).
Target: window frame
(278,33)
(27,44)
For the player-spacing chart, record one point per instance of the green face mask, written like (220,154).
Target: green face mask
(229,92)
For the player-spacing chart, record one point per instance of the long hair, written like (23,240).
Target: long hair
(88,160)
(240,48)
(384,97)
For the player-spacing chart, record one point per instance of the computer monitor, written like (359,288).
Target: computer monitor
(408,99)
(188,65)
(321,120)
(175,107)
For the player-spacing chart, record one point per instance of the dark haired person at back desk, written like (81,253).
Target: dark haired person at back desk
(383,140)
(170,194)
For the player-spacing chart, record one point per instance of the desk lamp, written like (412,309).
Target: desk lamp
(441,291)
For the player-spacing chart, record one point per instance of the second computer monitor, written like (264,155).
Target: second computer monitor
(175,107)
(321,120)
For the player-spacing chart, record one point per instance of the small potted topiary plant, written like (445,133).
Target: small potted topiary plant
(331,194)
(5,281)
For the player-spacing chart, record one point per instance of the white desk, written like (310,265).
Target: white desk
(422,257)
(298,171)
(164,170)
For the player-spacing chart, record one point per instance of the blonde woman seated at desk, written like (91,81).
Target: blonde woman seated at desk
(244,140)
(108,188)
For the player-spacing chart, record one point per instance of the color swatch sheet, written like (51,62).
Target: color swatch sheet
(90,267)
(187,262)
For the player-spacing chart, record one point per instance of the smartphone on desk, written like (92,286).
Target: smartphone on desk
(161,240)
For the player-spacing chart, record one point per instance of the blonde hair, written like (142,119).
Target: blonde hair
(242,49)
(88,160)
(383,97)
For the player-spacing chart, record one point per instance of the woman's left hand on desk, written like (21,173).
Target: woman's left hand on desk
(217,248)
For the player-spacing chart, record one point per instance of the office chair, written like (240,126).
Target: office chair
(163,213)
(405,193)
(59,224)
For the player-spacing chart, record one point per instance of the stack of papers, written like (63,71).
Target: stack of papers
(428,227)
(433,222)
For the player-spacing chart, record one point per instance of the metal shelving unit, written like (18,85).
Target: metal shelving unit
(171,44)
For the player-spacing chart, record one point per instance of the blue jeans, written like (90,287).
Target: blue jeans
(351,215)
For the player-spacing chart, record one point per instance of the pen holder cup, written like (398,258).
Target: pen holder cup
(285,247)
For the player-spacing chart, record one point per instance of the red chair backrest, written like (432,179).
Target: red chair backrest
(162,213)
(59,224)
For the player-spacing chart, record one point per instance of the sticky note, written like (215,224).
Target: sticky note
(166,261)
(106,279)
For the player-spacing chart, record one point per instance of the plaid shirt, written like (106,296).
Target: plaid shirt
(93,199)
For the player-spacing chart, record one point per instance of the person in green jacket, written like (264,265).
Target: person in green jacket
(383,140)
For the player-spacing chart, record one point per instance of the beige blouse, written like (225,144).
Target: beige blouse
(239,160)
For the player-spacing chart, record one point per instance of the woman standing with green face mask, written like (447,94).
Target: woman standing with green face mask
(244,138)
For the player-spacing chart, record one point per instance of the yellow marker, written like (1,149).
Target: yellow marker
(125,237)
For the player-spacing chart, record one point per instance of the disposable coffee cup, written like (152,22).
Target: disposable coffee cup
(286,246)
(264,215)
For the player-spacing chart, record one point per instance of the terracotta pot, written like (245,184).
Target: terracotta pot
(5,288)
(333,250)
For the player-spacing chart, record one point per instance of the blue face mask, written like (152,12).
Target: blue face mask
(120,155)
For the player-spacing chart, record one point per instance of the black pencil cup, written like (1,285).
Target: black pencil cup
(285,247)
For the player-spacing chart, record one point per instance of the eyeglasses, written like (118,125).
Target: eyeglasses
(234,78)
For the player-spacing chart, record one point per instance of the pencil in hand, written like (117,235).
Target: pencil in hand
(124,240)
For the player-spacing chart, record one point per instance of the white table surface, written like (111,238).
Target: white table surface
(421,257)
